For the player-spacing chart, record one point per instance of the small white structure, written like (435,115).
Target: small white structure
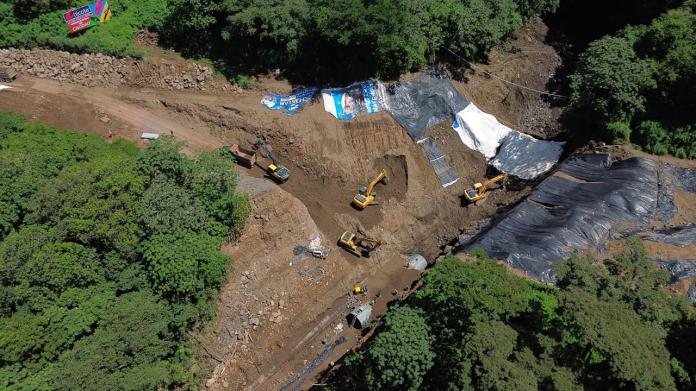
(360,316)
(4,87)
(417,262)
(150,136)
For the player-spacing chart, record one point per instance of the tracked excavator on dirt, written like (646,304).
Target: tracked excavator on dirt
(480,190)
(276,171)
(365,197)
(359,244)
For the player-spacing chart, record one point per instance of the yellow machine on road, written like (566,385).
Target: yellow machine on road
(480,190)
(275,171)
(359,245)
(365,197)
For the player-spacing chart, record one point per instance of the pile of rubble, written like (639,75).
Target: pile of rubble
(87,69)
(95,70)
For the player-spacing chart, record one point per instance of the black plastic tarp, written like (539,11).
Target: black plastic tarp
(572,211)
(679,269)
(423,102)
(677,236)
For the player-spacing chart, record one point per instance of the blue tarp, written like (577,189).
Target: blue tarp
(290,103)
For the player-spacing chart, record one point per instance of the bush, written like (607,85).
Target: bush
(31,24)
(644,77)
(618,132)
(108,256)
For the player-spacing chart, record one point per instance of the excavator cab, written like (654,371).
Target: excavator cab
(480,190)
(279,173)
(358,245)
(365,197)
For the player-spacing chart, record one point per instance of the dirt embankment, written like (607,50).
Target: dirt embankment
(93,70)
(257,340)
(528,60)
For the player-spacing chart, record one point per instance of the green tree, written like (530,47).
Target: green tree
(399,357)
(183,265)
(611,80)
(271,30)
(490,364)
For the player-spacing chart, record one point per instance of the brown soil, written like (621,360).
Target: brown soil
(257,341)
(396,183)
(657,250)
(525,59)
(686,208)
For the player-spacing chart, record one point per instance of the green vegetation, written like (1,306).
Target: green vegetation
(108,257)
(639,84)
(40,24)
(475,326)
(344,39)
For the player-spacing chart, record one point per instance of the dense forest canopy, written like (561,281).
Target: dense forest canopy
(639,84)
(108,256)
(474,325)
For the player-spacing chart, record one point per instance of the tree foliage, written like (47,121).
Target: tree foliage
(107,256)
(39,23)
(346,39)
(639,84)
(607,324)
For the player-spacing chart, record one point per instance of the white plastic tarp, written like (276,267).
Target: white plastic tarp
(511,151)
(4,87)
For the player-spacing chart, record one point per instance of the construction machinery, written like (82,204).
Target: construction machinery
(480,190)
(274,170)
(243,156)
(365,197)
(359,290)
(7,75)
(360,244)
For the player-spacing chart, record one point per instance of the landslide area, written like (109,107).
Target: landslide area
(275,314)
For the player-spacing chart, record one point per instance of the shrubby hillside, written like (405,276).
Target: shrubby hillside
(108,257)
(639,84)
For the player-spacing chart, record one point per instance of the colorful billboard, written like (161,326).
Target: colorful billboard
(356,99)
(84,17)
(290,103)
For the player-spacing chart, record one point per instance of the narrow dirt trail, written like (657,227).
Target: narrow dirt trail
(138,117)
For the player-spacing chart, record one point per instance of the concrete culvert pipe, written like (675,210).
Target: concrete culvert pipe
(359,316)
(417,262)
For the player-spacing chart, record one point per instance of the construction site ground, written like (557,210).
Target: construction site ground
(276,316)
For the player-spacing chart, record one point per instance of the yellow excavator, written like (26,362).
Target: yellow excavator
(365,197)
(275,171)
(480,190)
(359,245)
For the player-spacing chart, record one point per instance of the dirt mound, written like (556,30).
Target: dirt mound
(525,59)
(94,70)
(397,177)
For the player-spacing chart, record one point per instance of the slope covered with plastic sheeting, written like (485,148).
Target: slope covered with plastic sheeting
(445,173)
(526,157)
(423,102)
(511,151)
(677,236)
(573,211)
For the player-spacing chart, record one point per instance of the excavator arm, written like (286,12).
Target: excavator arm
(487,184)
(382,175)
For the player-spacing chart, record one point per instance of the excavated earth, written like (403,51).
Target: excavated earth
(280,310)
